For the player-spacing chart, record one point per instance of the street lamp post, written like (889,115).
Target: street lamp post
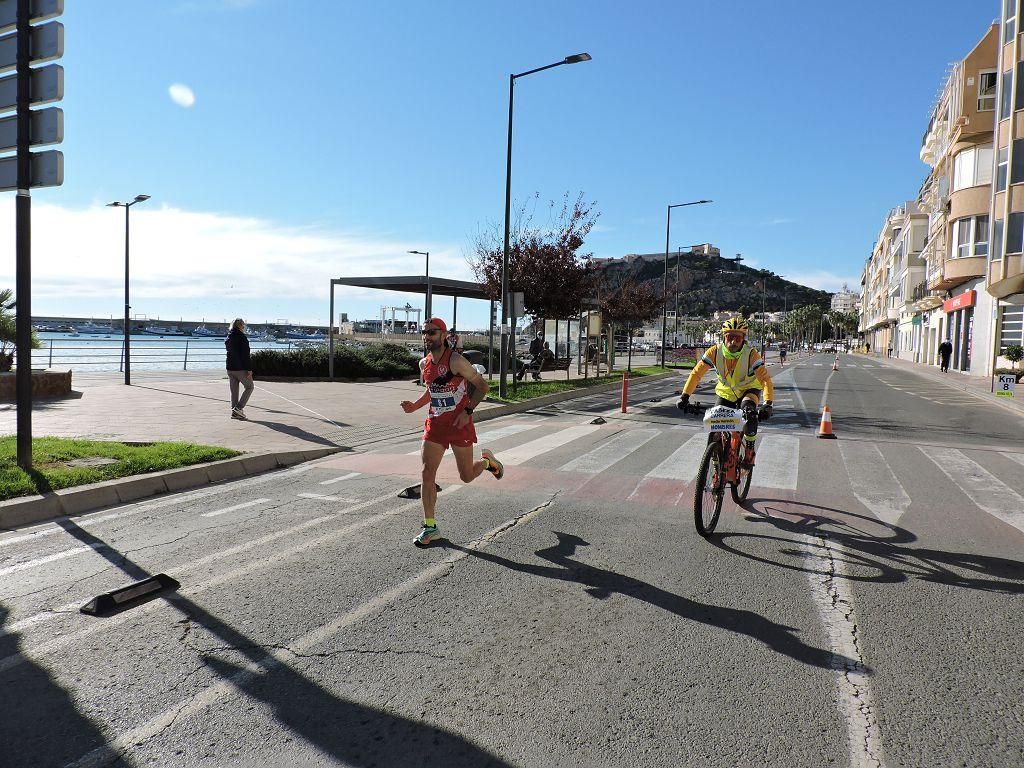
(428,300)
(127,348)
(664,282)
(503,375)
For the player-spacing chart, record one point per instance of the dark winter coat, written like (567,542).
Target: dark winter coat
(945,349)
(238,351)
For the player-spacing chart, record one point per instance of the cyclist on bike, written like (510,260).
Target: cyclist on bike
(742,376)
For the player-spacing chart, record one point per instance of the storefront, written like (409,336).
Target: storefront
(960,328)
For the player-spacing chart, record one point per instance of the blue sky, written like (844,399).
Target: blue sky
(329,137)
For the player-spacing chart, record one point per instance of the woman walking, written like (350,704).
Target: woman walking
(239,367)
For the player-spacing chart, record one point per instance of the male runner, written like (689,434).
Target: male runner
(741,377)
(782,355)
(447,376)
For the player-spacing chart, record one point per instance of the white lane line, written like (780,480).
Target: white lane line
(86,521)
(1018,457)
(980,485)
(334,480)
(236,507)
(830,590)
(683,463)
(873,482)
(611,452)
(123,743)
(542,445)
(262,561)
(325,497)
(44,560)
(778,462)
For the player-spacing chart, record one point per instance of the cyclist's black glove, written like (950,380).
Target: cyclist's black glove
(684,403)
(765,412)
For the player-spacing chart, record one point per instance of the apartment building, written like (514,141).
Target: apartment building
(1005,259)
(845,300)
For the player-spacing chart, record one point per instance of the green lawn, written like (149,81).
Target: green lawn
(526,390)
(51,472)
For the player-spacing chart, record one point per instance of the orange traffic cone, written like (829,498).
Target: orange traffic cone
(835,365)
(825,428)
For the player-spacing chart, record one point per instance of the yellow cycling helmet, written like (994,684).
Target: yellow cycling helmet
(735,325)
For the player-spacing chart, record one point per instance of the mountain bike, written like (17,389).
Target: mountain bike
(720,465)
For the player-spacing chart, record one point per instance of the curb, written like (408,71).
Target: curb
(951,381)
(558,397)
(85,498)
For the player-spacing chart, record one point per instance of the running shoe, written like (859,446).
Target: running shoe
(494,466)
(747,462)
(237,413)
(427,536)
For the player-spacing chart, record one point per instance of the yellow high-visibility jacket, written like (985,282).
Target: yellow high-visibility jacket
(734,376)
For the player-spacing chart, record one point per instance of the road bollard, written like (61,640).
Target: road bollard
(625,390)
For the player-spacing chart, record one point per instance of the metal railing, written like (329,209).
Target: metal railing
(162,354)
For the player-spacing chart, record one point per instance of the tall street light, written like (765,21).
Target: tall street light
(127,349)
(427,300)
(664,282)
(575,59)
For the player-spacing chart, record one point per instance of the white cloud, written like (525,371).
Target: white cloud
(205,260)
(182,95)
(778,221)
(824,281)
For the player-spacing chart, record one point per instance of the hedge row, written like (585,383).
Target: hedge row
(378,361)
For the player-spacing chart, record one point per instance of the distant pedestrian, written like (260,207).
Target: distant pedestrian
(867,347)
(545,357)
(782,355)
(945,352)
(239,367)
(453,340)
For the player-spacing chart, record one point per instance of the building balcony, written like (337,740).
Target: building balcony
(954,272)
(1000,286)
(892,313)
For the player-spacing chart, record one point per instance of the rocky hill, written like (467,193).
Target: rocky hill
(708,283)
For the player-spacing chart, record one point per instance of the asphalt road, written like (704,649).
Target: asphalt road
(862,609)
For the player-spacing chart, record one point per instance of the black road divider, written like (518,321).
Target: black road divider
(120,599)
(414,491)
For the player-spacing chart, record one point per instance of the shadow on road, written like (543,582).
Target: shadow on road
(883,560)
(45,727)
(602,583)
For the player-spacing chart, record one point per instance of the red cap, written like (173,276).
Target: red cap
(438,323)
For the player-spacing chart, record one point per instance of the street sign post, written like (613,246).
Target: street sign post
(23,170)
(1005,384)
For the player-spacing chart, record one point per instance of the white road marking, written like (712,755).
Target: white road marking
(235,508)
(873,481)
(495,434)
(542,445)
(278,657)
(683,463)
(1018,457)
(610,452)
(349,476)
(195,588)
(830,589)
(980,485)
(777,463)
(44,560)
(324,497)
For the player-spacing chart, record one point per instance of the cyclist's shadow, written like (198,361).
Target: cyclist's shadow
(601,583)
(882,555)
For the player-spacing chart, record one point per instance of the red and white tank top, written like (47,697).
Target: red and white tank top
(447,389)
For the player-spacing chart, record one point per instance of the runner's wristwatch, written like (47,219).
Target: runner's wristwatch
(468,410)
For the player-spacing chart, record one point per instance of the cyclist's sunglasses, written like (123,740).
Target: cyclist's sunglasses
(734,337)
(429,331)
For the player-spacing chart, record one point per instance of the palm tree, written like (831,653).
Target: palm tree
(8,332)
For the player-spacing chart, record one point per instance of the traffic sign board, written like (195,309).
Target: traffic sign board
(38,10)
(46,85)
(46,43)
(1005,384)
(47,170)
(45,127)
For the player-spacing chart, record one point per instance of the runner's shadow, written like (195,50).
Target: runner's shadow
(887,560)
(601,583)
(292,431)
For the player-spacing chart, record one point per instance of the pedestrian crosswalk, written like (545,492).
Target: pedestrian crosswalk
(654,463)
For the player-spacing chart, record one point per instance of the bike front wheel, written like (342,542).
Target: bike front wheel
(709,491)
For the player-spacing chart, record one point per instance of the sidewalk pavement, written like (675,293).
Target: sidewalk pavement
(978,385)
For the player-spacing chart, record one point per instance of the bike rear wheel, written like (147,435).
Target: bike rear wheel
(742,487)
(709,491)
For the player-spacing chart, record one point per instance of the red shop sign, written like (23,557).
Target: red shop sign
(965,299)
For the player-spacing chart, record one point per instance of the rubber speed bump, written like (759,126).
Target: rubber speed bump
(125,597)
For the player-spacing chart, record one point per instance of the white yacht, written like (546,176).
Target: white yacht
(163,330)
